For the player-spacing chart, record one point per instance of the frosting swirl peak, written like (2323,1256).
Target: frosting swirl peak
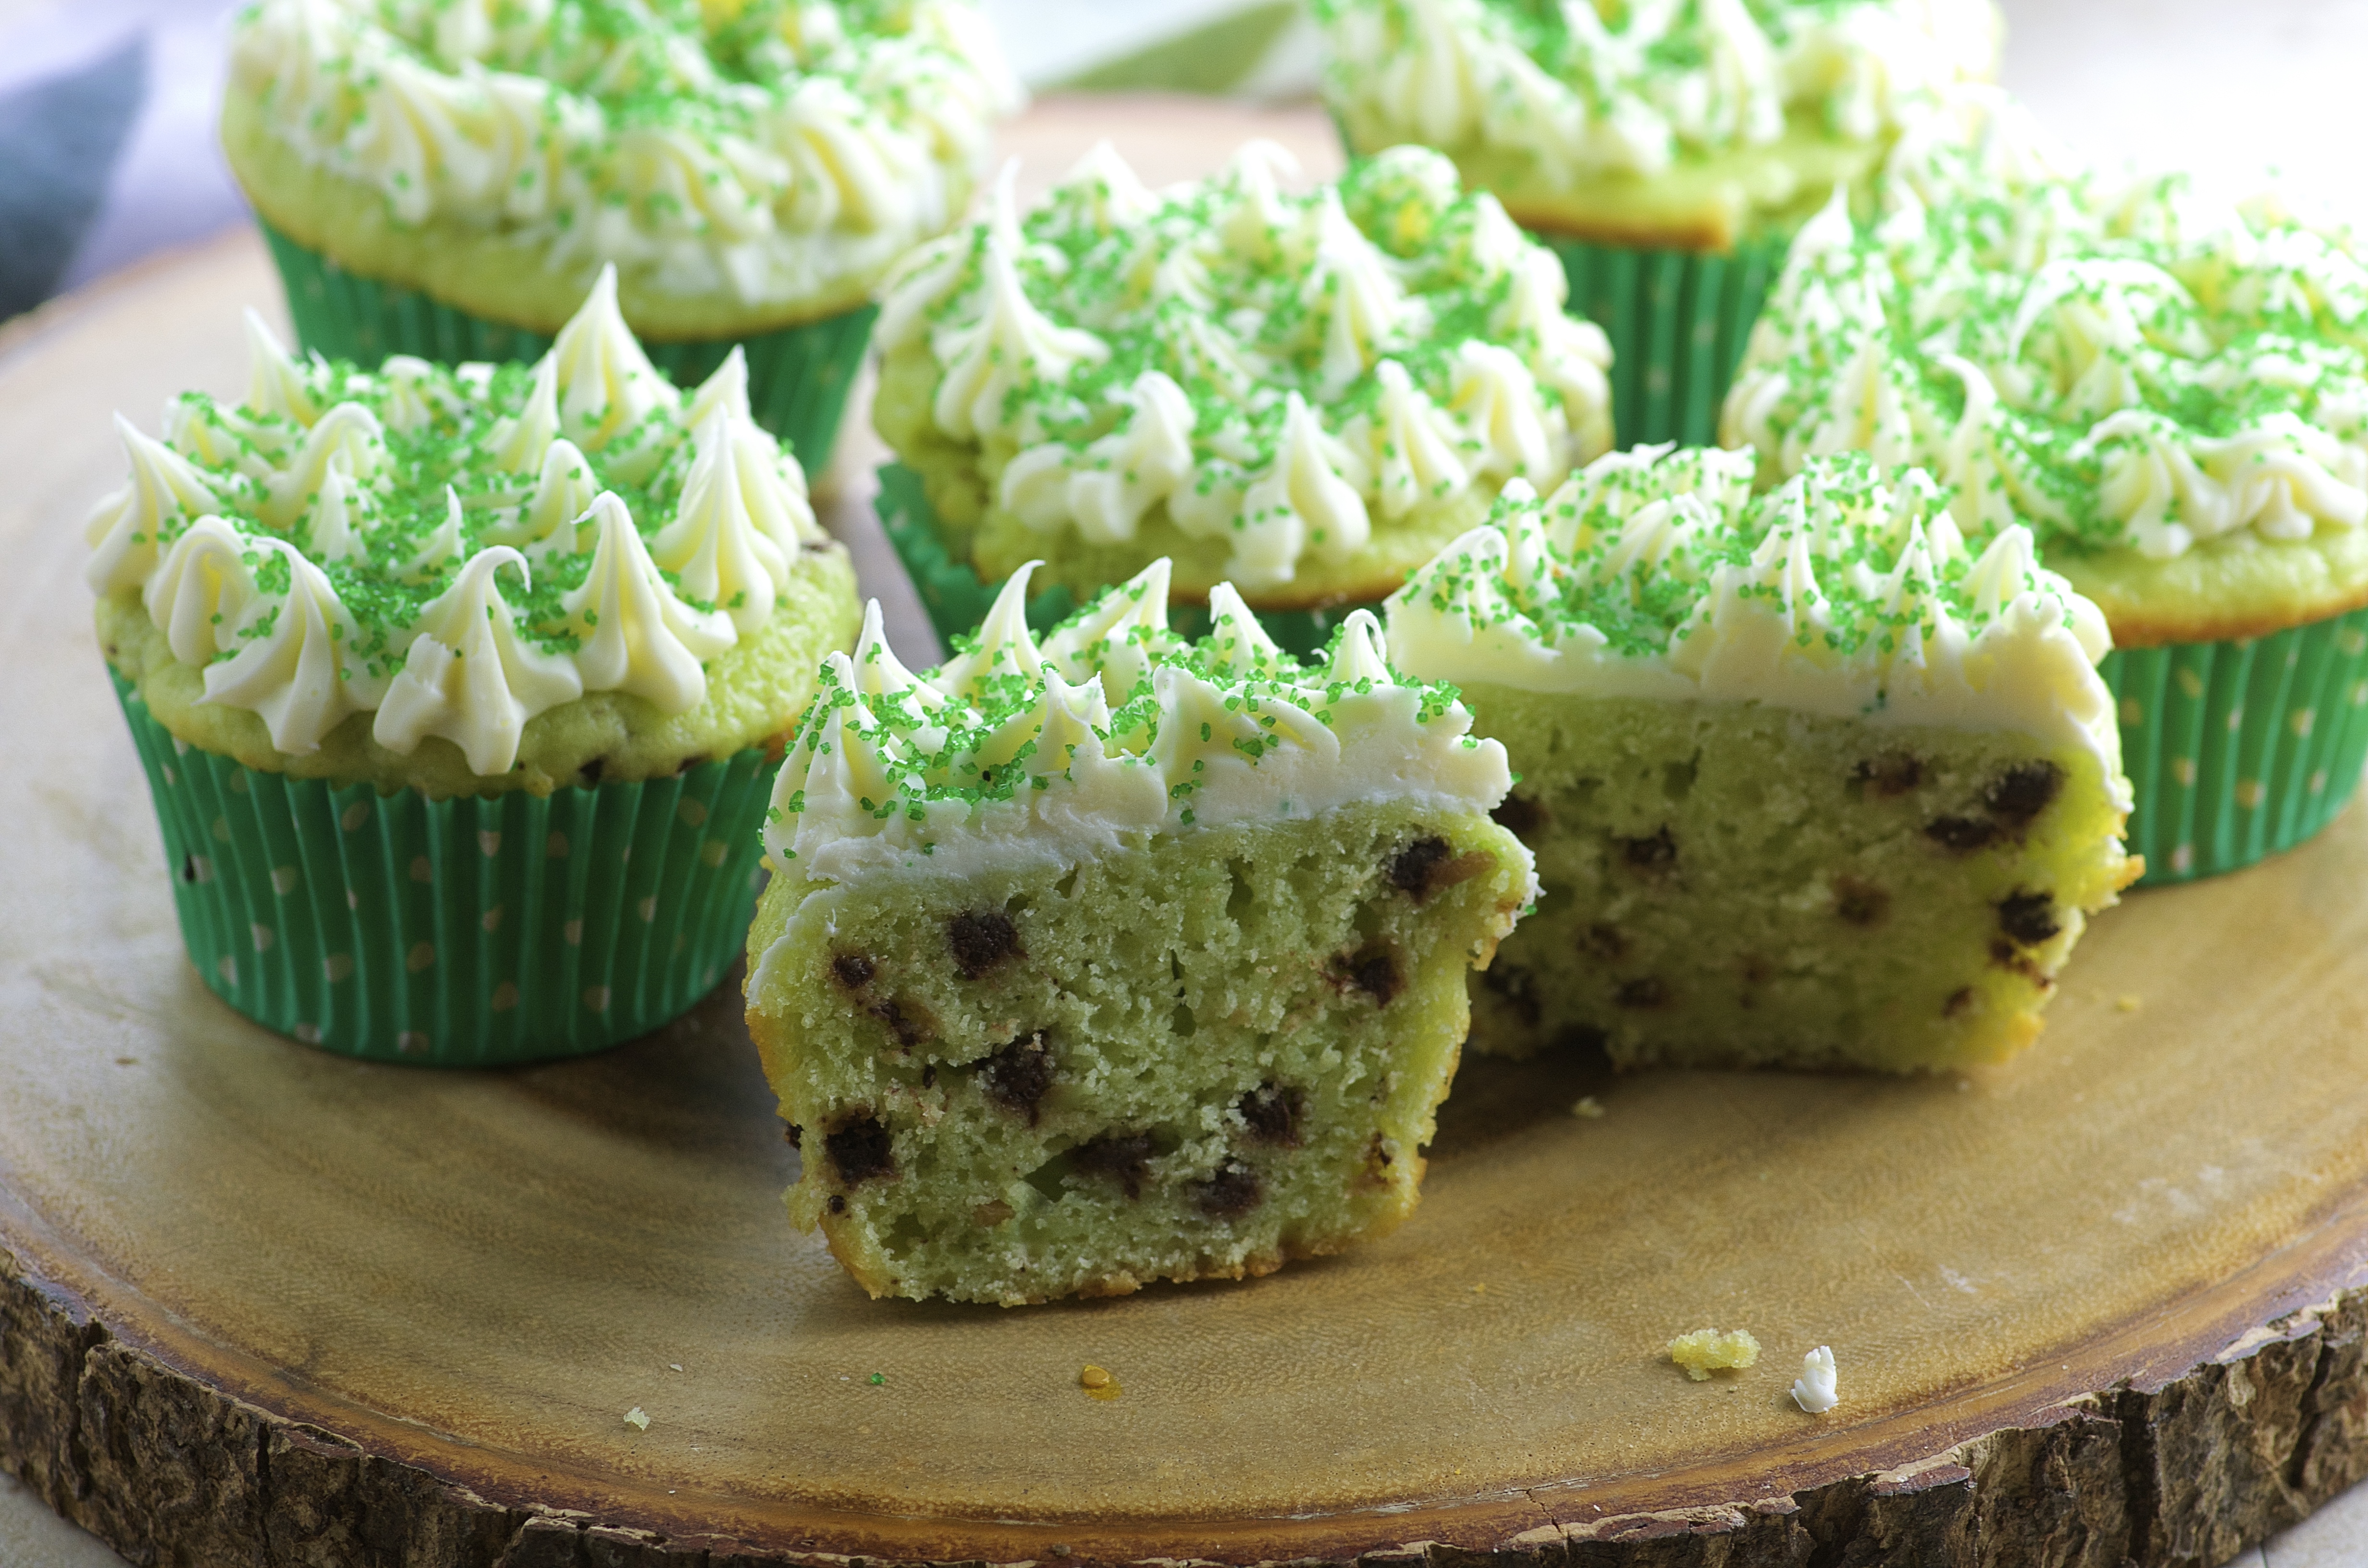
(1847,591)
(423,544)
(1112,727)
(778,154)
(1286,375)
(2121,366)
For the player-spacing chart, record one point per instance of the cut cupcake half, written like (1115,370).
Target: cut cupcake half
(1117,958)
(1813,779)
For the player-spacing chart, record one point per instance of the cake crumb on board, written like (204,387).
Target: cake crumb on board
(638,1419)
(1706,1350)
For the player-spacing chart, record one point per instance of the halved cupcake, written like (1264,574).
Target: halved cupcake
(1116,956)
(1813,779)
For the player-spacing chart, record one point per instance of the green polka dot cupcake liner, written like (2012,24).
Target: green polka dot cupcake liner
(1679,321)
(957,601)
(475,932)
(798,377)
(2239,750)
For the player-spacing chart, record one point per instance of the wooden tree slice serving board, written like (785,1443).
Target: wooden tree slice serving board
(258,1304)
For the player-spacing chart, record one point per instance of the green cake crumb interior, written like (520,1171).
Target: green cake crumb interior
(1202,1059)
(1733,884)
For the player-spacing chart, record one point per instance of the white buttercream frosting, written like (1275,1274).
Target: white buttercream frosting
(425,544)
(1655,574)
(1285,371)
(1585,90)
(1818,1388)
(766,152)
(1112,727)
(2119,365)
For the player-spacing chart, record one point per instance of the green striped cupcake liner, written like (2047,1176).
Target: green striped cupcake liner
(957,601)
(798,377)
(469,932)
(2239,750)
(1679,321)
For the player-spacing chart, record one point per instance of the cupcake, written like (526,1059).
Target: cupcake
(1665,152)
(1306,395)
(1814,779)
(1116,956)
(2172,396)
(444,181)
(460,689)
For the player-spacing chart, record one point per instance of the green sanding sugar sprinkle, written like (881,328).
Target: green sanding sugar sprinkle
(1692,511)
(2116,365)
(1679,59)
(1225,285)
(713,73)
(433,440)
(943,752)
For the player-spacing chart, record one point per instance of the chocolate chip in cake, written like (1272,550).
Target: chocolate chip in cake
(794,1133)
(1374,973)
(1521,815)
(1959,1001)
(1428,865)
(853,971)
(1655,854)
(589,774)
(2006,955)
(838,1204)
(2029,917)
(2027,790)
(1125,1158)
(1860,903)
(1517,986)
(1230,1191)
(1604,942)
(1411,869)
(1893,773)
(1272,1111)
(981,940)
(1017,1076)
(1960,834)
(908,1021)
(1642,993)
(859,1149)
(929,1077)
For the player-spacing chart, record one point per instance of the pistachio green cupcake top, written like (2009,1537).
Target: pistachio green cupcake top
(2172,395)
(1019,752)
(471,579)
(1688,122)
(1845,592)
(757,161)
(1278,390)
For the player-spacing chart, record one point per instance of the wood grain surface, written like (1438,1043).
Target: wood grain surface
(261,1304)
